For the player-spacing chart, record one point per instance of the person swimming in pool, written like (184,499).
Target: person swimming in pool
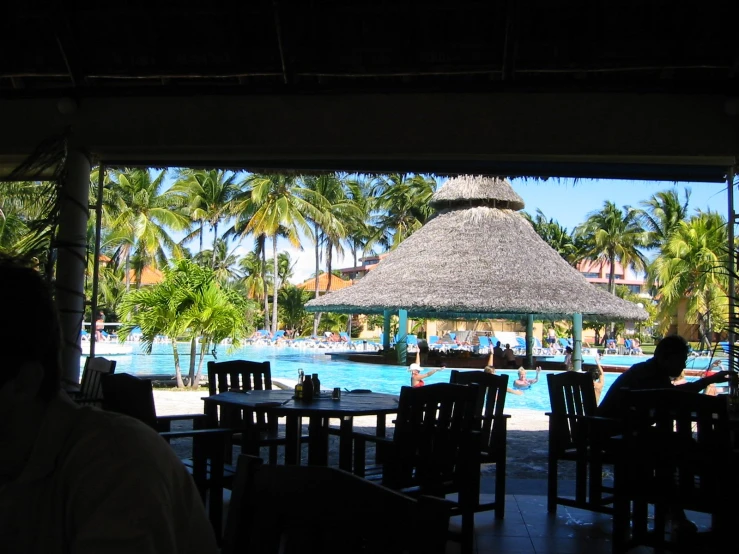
(523,382)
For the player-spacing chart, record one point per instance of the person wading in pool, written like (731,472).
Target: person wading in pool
(416,376)
(524,383)
(490,368)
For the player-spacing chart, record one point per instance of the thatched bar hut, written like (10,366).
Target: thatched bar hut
(478,258)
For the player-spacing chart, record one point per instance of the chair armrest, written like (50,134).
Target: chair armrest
(196,433)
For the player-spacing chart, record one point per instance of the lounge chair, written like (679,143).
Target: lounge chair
(484,346)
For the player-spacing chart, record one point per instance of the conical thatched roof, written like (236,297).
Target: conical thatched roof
(477,258)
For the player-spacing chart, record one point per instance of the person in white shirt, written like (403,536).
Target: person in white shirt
(77,480)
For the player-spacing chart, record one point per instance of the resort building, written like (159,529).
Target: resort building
(598,273)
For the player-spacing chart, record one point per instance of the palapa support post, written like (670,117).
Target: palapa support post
(386,330)
(401,344)
(530,341)
(577,342)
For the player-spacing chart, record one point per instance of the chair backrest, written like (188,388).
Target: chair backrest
(308,509)
(90,386)
(492,390)
(571,395)
(436,433)
(129,395)
(681,437)
(238,375)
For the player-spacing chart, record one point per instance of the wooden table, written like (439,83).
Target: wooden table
(319,411)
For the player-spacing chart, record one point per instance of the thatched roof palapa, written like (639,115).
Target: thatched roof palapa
(477,258)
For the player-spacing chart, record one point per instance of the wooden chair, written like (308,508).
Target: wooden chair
(129,395)
(435,449)
(260,430)
(493,428)
(575,436)
(90,392)
(312,509)
(675,452)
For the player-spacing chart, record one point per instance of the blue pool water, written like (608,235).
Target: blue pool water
(285,363)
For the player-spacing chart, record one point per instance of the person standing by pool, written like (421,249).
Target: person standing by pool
(99,326)
(524,383)
(551,338)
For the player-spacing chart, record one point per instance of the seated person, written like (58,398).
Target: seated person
(715,367)
(523,383)
(77,479)
(509,358)
(658,372)
(498,354)
(569,366)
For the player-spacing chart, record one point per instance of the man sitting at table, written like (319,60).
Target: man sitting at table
(73,479)
(658,372)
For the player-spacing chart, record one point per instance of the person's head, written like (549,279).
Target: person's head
(498,344)
(671,354)
(568,349)
(507,346)
(521,373)
(489,369)
(29,327)
(414,369)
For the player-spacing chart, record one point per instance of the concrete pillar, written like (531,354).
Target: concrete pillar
(530,341)
(71,261)
(386,330)
(577,342)
(401,345)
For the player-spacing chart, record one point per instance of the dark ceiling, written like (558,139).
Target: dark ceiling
(370,45)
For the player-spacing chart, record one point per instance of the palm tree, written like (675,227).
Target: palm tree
(223,262)
(209,194)
(141,215)
(693,267)
(662,215)
(187,304)
(554,235)
(285,267)
(403,201)
(335,209)
(611,235)
(278,203)
(292,307)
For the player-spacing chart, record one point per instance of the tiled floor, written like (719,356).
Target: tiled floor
(528,529)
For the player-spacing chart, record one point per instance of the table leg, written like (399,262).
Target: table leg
(318,441)
(346,428)
(380,431)
(293,424)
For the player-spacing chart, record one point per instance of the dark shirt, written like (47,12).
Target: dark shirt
(645,375)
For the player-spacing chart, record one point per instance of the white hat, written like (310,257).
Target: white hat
(414,367)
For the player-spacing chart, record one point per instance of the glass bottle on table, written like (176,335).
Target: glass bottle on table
(316,385)
(299,386)
(307,389)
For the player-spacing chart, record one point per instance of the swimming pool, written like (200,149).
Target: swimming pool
(285,363)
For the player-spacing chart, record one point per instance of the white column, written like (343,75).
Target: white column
(71,261)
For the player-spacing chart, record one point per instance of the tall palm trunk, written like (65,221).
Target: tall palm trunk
(612,284)
(177,369)
(262,241)
(317,315)
(274,287)
(215,239)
